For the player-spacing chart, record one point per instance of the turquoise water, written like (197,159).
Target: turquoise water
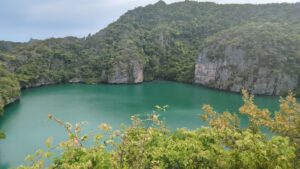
(27,126)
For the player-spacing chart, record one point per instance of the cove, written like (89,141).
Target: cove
(27,126)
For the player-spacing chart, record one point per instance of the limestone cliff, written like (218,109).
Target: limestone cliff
(131,72)
(235,71)
(263,58)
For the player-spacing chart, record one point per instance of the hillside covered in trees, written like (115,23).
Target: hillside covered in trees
(163,41)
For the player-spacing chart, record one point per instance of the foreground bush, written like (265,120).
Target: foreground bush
(147,143)
(2,135)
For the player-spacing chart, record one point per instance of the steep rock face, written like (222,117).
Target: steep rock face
(234,71)
(131,72)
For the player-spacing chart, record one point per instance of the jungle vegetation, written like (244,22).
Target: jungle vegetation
(164,38)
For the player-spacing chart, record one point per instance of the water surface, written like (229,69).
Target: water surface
(27,126)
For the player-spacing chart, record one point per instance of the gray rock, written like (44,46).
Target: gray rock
(131,72)
(138,75)
(234,71)
(75,80)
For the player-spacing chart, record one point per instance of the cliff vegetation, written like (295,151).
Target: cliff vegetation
(164,41)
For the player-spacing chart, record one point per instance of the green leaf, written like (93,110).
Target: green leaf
(49,142)
(2,135)
(29,158)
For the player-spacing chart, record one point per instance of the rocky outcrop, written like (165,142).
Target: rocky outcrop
(232,70)
(131,72)
(15,95)
(76,80)
(38,83)
(12,100)
(7,101)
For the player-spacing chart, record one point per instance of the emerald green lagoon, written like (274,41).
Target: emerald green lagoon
(27,126)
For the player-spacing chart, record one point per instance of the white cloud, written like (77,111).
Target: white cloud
(253,1)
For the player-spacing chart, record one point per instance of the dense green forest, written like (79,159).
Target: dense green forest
(167,38)
(147,143)
(164,39)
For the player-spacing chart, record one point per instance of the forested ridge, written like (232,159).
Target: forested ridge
(160,41)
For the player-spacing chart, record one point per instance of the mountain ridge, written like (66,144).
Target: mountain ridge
(159,41)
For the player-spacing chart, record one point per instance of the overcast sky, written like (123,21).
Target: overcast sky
(21,20)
